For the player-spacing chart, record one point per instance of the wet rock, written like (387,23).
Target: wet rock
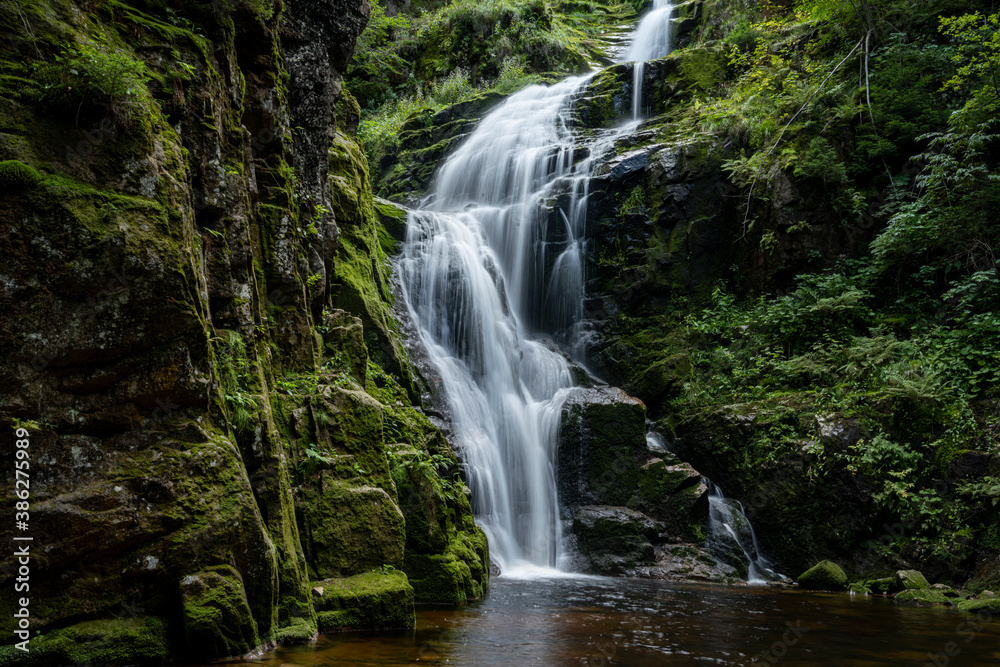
(922,597)
(687,562)
(602,438)
(839,432)
(676,495)
(824,576)
(615,539)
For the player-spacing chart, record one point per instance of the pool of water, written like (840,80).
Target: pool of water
(600,621)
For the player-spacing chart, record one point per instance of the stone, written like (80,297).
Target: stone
(376,600)
(676,495)
(217,616)
(824,576)
(909,580)
(603,433)
(615,538)
(921,597)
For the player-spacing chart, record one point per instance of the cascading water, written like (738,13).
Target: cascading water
(652,40)
(487,266)
(731,537)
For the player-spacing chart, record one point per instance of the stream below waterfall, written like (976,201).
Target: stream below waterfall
(589,621)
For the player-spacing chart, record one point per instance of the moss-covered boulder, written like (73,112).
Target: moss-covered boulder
(922,597)
(119,641)
(447,556)
(603,434)
(905,580)
(217,618)
(350,529)
(824,576)
(985,602)
(378,600)
(615,539)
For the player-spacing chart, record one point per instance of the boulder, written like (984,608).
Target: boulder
(377,600)
(675,494)
(905,580)
(922,597)
(614,538)
(217,617)
(603,436)
(824,576)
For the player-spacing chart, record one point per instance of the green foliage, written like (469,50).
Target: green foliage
(102,75)
(236,375)
(375,55)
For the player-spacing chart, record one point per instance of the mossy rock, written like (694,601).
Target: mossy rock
(377,600)
(905,580)
(921,597)
(603,432)
(981,604)
(349,529)
(299,630)
(393,218)
(824,576)
(217,618)
(15,175)
(107,642)
(448,577)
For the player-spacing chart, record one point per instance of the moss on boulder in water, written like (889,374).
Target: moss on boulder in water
(905,580)
(377,600)
(217,618)
(824,576)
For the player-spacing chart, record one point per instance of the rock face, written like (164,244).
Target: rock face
(197,334)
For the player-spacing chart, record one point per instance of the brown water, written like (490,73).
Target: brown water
(590,622)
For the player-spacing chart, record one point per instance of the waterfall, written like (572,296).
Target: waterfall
(731,537)
(652,40)
(492,271)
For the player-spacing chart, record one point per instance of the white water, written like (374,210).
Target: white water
(729,527)
(653,39)
(492,266)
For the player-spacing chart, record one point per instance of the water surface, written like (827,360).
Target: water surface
(600,621)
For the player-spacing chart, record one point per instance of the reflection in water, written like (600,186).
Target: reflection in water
(599,621)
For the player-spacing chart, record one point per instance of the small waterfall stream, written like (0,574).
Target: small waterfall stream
(731,537)
(493,277)
(653,39)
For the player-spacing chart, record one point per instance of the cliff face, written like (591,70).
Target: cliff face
(197,333)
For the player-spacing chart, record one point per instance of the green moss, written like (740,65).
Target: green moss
(702,68)
(987,605)
(15,175)
(217,617)
(923,597)
(110,642)
(297,631)
(349,529)
(824,576)
(378,600)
